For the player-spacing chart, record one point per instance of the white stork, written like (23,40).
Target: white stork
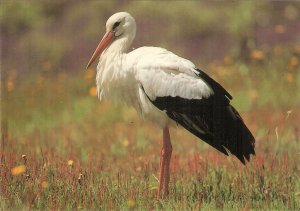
(167,90)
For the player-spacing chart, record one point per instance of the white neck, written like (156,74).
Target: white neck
(111,63)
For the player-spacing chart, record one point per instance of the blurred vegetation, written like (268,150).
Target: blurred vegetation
(59,31)
(49,109)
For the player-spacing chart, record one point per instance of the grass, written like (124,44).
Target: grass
(62,149)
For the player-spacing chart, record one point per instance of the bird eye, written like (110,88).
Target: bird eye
(116,24)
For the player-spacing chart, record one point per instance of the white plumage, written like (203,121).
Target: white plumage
(166,88)
(169,75)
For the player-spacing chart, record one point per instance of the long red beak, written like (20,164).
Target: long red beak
(105,41)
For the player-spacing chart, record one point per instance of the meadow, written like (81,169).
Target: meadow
(61,148)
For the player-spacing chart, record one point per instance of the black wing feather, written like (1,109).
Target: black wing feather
(213,120)
(218,89)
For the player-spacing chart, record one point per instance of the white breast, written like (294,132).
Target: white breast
(114,81)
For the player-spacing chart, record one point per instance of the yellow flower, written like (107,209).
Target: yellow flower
(45,184)
(125,143)
(289,77)
(18,170)
(257,55)
(70,162)
(294,61)
(280,29)
(10,86)
(93,91)
(130,203)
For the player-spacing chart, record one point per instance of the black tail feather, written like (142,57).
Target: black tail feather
(216,123)
(222,128)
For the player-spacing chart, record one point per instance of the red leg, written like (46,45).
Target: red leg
(166,153)
(161,174)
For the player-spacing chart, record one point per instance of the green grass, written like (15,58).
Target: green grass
(52,119)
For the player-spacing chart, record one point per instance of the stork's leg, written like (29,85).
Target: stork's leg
(166,153)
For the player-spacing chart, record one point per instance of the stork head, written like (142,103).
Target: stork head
(118,26)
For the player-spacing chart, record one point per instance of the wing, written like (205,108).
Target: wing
(163,73)
(197,102)
(219,125)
